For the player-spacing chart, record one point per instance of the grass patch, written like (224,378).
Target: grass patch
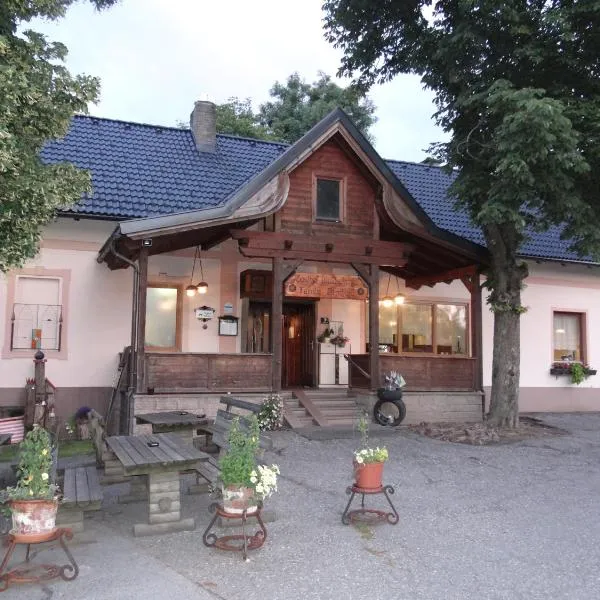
(65,450)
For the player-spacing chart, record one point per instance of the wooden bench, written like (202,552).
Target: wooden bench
(81,493)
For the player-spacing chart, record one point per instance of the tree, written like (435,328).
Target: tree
(236,117)
(297,106)
(517,87)
(38,100)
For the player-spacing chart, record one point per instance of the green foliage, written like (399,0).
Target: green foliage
(296,106)
(578,373)
(39,97)
(270,416)
(35,468)
(239,461)
(236,117)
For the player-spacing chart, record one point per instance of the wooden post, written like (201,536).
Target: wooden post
(276,323)
(476,331)
(374,327)
(141,319)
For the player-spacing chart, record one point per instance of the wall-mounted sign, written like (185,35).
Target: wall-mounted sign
(228,325)
(228,308)
(321,285)
(204,313)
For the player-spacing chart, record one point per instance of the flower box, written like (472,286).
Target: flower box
(565,369)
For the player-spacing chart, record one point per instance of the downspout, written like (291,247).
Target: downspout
(134,319)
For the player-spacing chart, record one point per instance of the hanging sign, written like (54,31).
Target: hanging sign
(204,313)
(322,285)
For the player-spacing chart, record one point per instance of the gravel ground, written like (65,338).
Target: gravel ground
(498,522)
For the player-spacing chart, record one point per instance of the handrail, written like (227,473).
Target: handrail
(361,371)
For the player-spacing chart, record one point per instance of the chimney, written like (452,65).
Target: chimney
(203,123)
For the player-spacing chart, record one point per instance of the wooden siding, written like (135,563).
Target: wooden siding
(173,372)
(329,161)
(421,372)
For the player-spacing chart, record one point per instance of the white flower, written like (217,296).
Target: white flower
(359,459)
(45,476)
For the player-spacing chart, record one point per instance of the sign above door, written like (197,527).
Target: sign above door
(323,285)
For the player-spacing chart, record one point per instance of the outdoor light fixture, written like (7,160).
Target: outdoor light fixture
(190,290)
(399,298)
(387,300)
(202,287)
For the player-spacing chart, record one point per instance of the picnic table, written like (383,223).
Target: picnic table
(180,423)
(160,457)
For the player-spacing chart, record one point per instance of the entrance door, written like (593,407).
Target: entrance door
(298,345)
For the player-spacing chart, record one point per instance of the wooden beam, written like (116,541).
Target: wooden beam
(141,318)
(476,332)
(444,276)
(289,268)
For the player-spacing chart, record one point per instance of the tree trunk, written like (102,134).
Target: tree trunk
(505,281)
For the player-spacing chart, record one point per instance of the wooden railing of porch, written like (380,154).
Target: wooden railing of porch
(421,372)
(199,372)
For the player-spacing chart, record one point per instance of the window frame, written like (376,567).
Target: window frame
(582,315)
(178,318)
(342,198)
(432,304)
(64,277)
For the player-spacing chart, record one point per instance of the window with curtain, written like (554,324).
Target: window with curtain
(162,318)
(568,336)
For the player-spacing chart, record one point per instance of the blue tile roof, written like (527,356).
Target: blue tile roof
(143,170)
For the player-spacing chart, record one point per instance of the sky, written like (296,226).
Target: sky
(156,57)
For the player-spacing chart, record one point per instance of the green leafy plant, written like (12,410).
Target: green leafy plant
(365,454)
(327,333)
(35,468)
(578,374)
(239,465)
(270,416)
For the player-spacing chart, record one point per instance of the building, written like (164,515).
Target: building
(290,241)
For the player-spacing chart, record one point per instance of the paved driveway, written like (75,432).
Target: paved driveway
(505,522)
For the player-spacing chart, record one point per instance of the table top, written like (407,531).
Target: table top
(137,456)
(174,417)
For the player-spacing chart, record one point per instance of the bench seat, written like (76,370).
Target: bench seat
(81,492)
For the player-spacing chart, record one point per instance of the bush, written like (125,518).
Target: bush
(270,416)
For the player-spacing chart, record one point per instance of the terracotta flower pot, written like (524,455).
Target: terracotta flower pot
(368,475)
(237,499)
(33,517)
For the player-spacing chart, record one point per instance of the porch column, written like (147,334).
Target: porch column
(476,332)
(141,319)
(374,327)
(276,323)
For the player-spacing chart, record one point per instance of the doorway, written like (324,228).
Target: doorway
(298,345)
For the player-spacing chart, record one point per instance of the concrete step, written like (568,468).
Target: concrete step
(321,403)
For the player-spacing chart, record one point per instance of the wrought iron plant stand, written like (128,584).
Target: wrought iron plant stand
(349,516)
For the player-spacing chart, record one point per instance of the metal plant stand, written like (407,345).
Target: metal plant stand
(29,572)
(350,516)
(235,543)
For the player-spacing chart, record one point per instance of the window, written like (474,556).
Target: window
(569,338)
(425,327)
(328,203)
(163,317)
(37,314)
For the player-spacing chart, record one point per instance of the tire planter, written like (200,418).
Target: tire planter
(389,410)
(33,517)
(236,500)
(368,476)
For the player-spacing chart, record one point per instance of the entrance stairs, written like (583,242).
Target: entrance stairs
(322,407)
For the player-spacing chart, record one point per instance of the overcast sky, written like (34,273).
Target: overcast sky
(155,57)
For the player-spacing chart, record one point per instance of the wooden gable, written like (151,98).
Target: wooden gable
(358,195)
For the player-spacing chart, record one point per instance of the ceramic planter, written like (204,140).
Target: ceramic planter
(237,499)
(368,476)
(33,517)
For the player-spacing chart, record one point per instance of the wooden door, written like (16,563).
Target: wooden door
(298,343)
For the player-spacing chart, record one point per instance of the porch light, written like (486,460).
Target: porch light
(202,287)
(387,301)
(190,290)
(399,298)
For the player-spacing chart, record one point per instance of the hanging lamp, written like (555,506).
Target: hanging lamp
(399,298)
(202,287)
(190,290)
(387,300)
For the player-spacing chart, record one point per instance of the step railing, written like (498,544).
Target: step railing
(357,367)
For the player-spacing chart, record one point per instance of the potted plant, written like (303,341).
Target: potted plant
(578,371)
(368,462)
(339,340)
(325,335)
(34,500)
(392,390)
(245,483)
(270,416)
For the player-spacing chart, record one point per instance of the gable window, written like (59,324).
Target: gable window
(328,202)
(36,314)
(569,336)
